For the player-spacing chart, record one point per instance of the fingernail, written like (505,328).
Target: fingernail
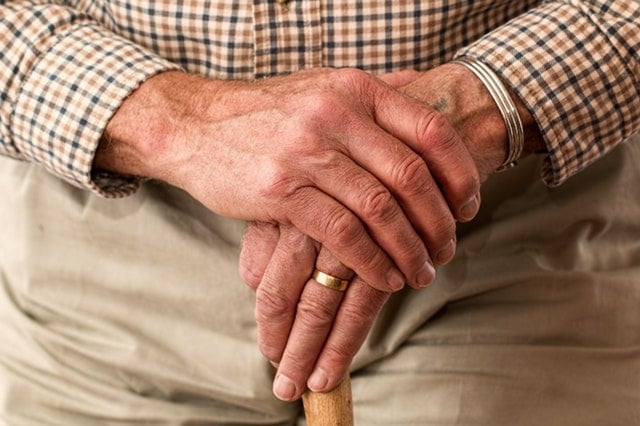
(318,380)
(395,279)
(284,388)
(469,209)
(446,253)
(425,275)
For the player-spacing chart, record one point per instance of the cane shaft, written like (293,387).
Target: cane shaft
(333,408)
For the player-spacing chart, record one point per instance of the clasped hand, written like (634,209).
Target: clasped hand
(334,169)
(406,176)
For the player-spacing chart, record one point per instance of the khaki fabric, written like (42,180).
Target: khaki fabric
(117,311)
(131,311)
(534,322)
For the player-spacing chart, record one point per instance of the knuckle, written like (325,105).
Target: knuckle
(321,106)
(315,315)
(434,130)
(379,205)
(343,226)
(346,237)
(328,160)
(353,76)
(355,319)
(281,184)
(472,183)
(272,305)
(442,224)
(295,244)
(411,175)
(365,86)
(278,183)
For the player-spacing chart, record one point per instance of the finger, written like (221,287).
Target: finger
(452,165)
(431,202)
(386,222)
(279,291)
(357,313)
(410,180)
(425,211)
(383,152)
(258,244)
(428,132)
(314,318)
(327,221)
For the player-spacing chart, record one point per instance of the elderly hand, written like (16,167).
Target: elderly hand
(332,152)
(329,327)
(313,332)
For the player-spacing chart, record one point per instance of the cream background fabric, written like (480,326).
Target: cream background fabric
(132,311)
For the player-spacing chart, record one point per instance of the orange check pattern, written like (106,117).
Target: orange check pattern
(66,66)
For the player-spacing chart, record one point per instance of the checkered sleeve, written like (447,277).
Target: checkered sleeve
(62,76)
(576,65)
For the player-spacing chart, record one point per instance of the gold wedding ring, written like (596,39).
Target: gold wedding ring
(329,281)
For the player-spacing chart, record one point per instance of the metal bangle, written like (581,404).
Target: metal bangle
(508,110)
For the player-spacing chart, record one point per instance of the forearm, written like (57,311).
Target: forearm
(258,151)
(146,136)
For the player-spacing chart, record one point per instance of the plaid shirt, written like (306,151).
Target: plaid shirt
(66,66)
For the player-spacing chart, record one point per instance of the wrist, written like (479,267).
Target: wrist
(148,136)
(506,107)
(463,98)
(478,119)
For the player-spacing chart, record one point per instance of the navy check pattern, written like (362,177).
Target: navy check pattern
(576,66)
(66,66)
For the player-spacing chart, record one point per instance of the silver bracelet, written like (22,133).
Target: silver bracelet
(508,110)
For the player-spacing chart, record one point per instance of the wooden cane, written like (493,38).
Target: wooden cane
(333,408)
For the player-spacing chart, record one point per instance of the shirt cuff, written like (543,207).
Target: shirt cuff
(69,95)
(562,66)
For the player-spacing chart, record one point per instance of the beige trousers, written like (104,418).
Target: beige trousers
(131,311)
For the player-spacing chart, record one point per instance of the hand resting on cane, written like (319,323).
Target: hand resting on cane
(327,151)
(315,332)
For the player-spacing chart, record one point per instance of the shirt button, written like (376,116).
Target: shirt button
(284,4)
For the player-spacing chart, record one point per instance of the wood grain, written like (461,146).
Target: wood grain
(333,408)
